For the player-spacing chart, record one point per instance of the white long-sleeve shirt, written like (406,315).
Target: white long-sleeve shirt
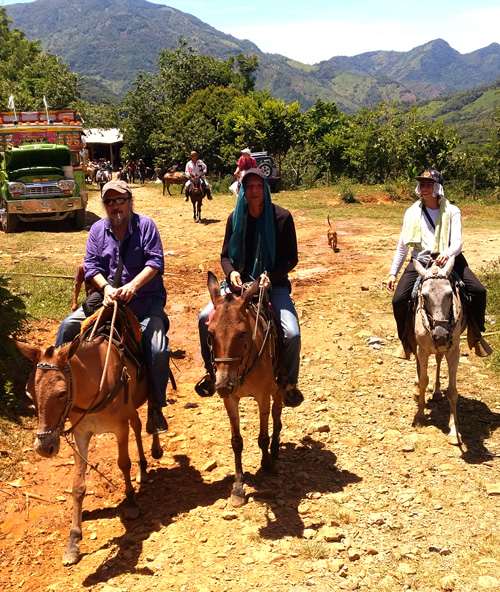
(422,256)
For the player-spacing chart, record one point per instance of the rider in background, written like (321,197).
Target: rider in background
(196,168)
(431,225)
(245,162)
(260,236)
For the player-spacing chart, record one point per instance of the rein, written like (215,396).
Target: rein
(240,378)
(92,408)
(429,321)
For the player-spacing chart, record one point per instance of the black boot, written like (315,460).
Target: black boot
(156,424)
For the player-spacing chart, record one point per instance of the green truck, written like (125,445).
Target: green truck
(41,170)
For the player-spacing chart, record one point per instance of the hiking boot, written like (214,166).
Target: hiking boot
(156,424)
(293,397)
(209,194)
(205,387)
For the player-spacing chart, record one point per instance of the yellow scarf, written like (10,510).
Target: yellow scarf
(412,233)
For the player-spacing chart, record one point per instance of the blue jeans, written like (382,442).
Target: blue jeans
(154,327)
(283,306)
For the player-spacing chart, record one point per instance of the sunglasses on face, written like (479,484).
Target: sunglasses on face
(118,201)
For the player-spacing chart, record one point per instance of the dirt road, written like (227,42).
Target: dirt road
(360,499)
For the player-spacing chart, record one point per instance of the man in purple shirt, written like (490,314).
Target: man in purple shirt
(140,286)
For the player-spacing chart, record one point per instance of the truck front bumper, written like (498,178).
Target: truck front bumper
(53,208)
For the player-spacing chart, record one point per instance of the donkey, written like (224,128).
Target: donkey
(245,359)
(196,192)
(98,388)
(439,321)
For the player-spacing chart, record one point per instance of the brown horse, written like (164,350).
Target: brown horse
(173,178)
(74,382)
(245,363)
(196,192)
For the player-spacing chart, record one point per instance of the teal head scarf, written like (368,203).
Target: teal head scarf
(265,239)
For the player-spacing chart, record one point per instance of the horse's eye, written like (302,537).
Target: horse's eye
(62,395)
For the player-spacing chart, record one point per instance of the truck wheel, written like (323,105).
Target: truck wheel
(78,221)
(9,222)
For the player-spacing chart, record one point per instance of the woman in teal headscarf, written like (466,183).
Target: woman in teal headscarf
(260,237)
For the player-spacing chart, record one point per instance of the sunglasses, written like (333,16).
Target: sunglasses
(118,201)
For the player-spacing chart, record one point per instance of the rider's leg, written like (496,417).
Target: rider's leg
(209,189)
(70,327)
(186,187)
(401,299)
(475,290)
(157,356)
(285,311)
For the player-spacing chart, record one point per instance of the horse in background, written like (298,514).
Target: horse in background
(196,191)
(245,359)
(173,178)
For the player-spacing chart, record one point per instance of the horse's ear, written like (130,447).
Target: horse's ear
(32,353)
(75,344)
(213,287)
(251,292)
(419,268)
(68,350)
(447,269)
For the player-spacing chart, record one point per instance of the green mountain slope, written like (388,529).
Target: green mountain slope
(108,41)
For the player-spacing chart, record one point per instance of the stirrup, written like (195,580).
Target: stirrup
(293,397)
(482,348)
(205,387)
(403,352)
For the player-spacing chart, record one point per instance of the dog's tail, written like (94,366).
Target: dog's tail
(328,218)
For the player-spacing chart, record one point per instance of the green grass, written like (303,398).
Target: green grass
(490,277)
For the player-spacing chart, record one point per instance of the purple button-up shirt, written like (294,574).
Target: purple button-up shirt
(144,248)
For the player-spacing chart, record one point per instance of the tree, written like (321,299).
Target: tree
(29,75)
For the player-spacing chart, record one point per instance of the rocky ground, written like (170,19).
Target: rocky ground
(359,499)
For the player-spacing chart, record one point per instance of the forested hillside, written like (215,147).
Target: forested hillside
(109,41)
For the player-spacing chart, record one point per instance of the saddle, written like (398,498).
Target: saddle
(127,333)
(268,317)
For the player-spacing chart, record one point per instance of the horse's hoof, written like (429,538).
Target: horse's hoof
(453,439)
(71,556)
(237,501)
(419,420)
(156,448)
(437,396)
(131,511)
(142,477)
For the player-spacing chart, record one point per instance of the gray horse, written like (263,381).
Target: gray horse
(439,321)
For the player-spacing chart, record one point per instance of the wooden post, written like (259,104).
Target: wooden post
(474,188)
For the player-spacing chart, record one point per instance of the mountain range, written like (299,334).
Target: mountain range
(109,41)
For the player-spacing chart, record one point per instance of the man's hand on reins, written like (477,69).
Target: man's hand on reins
(264,281)
(235,279)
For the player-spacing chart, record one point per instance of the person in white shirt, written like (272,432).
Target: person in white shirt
(197,168)
(431,226)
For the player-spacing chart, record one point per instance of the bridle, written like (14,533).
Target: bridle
(429,322)
(69,400)
(122,381)
(243,370)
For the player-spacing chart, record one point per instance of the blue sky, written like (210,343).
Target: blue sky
(311,31)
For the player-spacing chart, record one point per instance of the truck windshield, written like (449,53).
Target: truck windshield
(28,157)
